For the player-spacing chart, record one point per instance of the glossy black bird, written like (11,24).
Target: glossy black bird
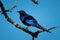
(28,20)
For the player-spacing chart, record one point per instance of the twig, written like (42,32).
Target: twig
(12,22)
(10,9)
(32,38)
(35,1)
(39,31)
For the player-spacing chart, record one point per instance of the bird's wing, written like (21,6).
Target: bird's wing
(30,20)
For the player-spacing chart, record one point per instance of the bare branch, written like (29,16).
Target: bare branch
(11,21)
(39,31)
(10,9)
(35,1)
(32,38)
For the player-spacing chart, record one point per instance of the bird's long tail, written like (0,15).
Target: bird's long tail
(40,27)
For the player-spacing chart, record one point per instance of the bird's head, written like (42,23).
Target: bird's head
(22,12)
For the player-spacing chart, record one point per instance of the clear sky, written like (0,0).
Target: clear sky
(47,13)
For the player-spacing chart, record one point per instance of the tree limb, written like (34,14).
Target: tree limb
(35,1)
(39,31)
(10,9)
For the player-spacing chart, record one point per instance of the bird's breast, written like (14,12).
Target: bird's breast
(22,18)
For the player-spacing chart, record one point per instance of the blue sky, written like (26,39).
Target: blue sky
(47,13)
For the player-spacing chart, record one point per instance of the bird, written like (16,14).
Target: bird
(35,1)
(29,20)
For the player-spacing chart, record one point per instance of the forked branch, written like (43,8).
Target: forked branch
(10,9)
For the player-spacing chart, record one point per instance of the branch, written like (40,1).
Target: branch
(33,34)
(11,21)
(32,38)
(35,1)
(10,9)
(39,31)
